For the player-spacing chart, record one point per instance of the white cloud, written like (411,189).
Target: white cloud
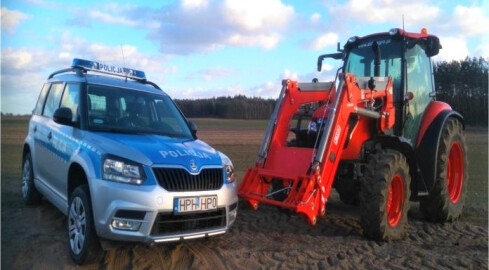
(416,12)
(471,20)
(184,29)
(11,19)
(115,14)
(321,42)
(18,59)
(287,74)
(263,40)
(24,70)
(195,3)
(108,18)
(454,48)
(253,15)
(315,18)
(482,50)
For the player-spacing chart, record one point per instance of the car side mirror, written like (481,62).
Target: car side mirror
(63,116)
(193,128)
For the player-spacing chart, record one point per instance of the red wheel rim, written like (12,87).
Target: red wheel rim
(455,172)
(395,200)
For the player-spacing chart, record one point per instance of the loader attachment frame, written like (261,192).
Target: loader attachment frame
(306,174)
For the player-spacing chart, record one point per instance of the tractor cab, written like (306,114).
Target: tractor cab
(403,56)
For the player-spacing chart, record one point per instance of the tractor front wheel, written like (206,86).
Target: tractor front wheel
(447,198)
(384,196)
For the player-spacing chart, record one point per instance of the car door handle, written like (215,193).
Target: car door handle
(50,135)
(35,128)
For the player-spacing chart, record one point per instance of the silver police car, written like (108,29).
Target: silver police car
(114,153)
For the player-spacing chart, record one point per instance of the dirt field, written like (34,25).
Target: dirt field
(35,237)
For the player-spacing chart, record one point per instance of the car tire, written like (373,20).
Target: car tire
(384,196)
(83,242)
(447,198)
(30,195)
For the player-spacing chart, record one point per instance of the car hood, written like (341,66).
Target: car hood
(152,150)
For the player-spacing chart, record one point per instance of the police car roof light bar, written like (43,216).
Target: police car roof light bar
(81,66)
(134,74)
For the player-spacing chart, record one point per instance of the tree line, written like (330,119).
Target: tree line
(237,107)
(463,84)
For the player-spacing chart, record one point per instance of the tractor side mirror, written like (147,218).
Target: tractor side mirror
(63,116)
(336,56)
(433,46)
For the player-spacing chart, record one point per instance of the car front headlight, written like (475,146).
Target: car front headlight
(228,166)
(230,178)
(119,170)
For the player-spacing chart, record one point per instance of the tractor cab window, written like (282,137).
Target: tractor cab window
(360,61)
(419,82)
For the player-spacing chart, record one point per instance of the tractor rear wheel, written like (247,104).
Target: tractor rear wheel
(447,198)
(384,196)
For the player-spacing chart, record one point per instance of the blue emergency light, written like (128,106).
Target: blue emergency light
(109,69)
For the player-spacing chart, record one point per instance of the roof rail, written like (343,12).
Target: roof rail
(77,70)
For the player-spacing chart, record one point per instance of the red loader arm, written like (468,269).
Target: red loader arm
(308,173)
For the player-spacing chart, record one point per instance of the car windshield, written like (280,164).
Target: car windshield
(361,58)
(119,110)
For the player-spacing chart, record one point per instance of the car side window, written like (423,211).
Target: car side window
(70,99)
(40,101)
(52,101)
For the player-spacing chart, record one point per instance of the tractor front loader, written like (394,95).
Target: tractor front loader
(376,134)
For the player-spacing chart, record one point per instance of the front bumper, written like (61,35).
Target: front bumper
(148,204)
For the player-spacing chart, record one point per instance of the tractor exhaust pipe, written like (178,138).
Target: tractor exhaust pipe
(376,49)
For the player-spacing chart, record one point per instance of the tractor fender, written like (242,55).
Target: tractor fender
(427,150)
(431,112)
(403,145)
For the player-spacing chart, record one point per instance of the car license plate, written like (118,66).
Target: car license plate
(195,204)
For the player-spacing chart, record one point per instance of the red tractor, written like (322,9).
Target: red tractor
(376,134)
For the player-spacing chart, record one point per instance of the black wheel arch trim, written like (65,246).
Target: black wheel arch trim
(427,150)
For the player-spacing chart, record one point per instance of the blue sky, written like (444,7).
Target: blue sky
(205,48)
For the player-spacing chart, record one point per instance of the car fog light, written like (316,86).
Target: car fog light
(124,224)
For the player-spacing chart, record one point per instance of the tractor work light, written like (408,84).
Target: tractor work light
(424,31)
(109,69)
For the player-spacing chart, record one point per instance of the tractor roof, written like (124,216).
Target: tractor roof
(397,31)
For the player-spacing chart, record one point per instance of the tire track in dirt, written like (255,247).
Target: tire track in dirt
(205,257)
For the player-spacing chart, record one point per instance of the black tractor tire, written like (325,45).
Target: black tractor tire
(447,198)
(384,196)
(30,195)
(276,185)
(80,223)
(349,190)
